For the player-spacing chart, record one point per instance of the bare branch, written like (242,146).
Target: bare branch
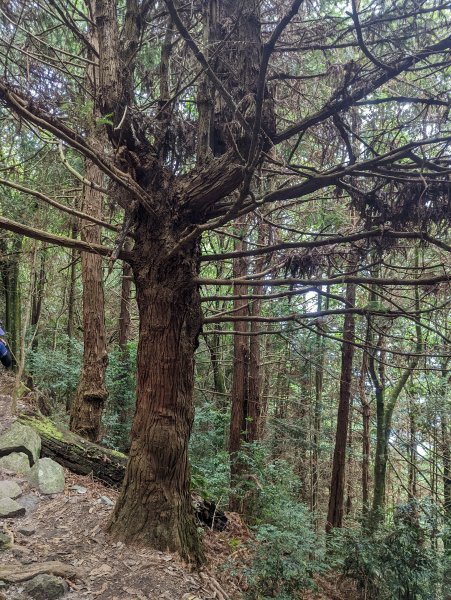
(339,239)
(54,203)
(59,240)
(339,280)
(366,88)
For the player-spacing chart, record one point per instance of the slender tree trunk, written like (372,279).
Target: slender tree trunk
(70,326)
(317,416)
(366,416)
(412,484)
(154,506)
(253,421)
(126,407)
(349,487)
(37,291)
(11,282)
(38,296)
(87,408)
(124,310)
(385,406)
(71,294)
(27,310)
(214,347)
(445,447)
(337,487)
(240,381)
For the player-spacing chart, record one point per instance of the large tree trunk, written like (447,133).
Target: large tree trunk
(87,408)
(154,505)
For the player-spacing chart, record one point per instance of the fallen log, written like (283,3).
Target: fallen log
(85,458)
(75,453)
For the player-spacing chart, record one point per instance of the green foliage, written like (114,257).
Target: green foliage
(288,553)
(284,563)
(210,466)
(56,371)
(121,385)
(105,120)
(395,562)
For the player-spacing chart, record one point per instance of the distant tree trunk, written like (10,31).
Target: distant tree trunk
(11,284)
(366,415)
(87,407)
(349,488)
(240,381)
(125,408)
(317,416)
(337,486)
(301,412)
(125,313)
(25,322)
(70,326)
(213,342)
(385,406)
(38,295)
(412,483)
(253,421)
(37,291)
(214,347)
(71,295)
(154,505)
(446,476)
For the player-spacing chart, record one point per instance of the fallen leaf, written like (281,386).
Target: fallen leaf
(99,571)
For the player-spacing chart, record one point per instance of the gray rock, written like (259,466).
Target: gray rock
(21,438)
(17,462)
(10,508)
(6,541)
(106,500)
(9,489)
(48,476)
(27,531)
(46,587)
(30,502)
(79,489)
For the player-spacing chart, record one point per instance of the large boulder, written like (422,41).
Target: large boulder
(17,462)
(46,587)
(21,438)
(9,489)
(48,476)
(10,508)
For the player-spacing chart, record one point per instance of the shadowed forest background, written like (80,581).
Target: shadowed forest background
(225,253)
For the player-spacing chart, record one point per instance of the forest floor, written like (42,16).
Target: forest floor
(70,528)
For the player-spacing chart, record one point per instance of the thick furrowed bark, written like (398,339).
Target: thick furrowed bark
(154,507)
